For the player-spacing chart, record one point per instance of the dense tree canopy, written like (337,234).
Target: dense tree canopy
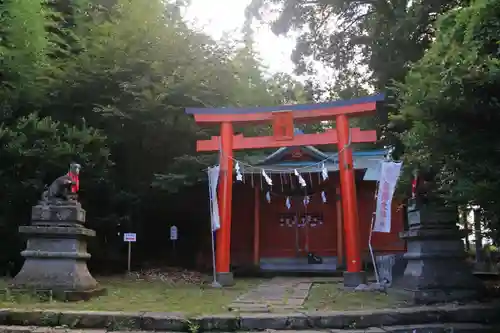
(105,83)
(438,63)
(367,41)
(369,44)
(450,107)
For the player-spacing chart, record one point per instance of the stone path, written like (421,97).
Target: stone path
(276,295)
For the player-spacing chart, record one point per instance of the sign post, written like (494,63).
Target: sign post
(129,238)
(174,235)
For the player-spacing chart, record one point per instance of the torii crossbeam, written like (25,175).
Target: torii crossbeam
(283,119)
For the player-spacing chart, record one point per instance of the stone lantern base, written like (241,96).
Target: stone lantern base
(56,254)
(436,271)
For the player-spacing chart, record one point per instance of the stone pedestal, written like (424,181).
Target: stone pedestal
(354,279)
(56,253)
(436,270)
(225,279)
(390,268)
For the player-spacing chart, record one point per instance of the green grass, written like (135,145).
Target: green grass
(126,294)
(331,297)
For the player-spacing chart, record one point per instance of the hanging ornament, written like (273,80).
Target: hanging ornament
(324,172)
(239,176)
(306,200)
(323,196)
(302,182)
(268,179)
(288,204)
(268,197)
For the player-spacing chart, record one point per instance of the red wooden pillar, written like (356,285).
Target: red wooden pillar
(340,232)
(256,227)
(353,276)
(223,250)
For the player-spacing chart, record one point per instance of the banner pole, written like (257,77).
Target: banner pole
(214,272)
(370,247)
(380,222)
(129,257)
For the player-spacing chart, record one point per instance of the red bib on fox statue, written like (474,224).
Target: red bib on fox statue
(74,174)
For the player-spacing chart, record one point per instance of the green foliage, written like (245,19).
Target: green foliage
(368,41)
(369,44)
(23,51)
(34,152)
(449,106)
(106,83)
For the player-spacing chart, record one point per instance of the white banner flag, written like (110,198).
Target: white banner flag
(389,174)
(213,181)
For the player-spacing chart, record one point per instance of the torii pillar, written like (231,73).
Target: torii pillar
(354,276)
(283,119)
(223,237)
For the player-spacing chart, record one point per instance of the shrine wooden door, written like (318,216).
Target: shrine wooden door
(317,228)
(299,230)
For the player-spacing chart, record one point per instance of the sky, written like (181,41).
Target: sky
(216,17)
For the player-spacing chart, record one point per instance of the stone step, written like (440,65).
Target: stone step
(290,320)
(429,328)
(298,265)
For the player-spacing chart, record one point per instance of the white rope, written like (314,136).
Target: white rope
(251,169)
(291,170)
(311,166)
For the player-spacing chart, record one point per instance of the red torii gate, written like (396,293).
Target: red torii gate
(282,119)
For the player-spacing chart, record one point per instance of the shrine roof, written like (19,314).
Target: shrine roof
(315,154)
(329,158)
(292,107)
(368,160)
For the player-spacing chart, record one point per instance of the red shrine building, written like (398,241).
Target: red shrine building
(278,228)
(259,227)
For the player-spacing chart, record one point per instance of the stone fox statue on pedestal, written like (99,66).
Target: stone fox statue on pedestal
(65,187)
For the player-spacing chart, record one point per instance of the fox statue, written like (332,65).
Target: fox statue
(64,188)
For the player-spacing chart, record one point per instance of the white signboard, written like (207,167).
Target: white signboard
(130,237)
(389,174)
(173,233)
